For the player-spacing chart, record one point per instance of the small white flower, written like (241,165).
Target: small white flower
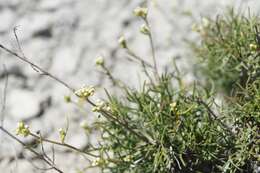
(101,105)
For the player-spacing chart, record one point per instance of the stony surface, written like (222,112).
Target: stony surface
(64,37)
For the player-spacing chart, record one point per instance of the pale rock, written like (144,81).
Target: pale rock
(50,4)
(33,22)
(23,103)
(7,18)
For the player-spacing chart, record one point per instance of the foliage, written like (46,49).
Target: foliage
(229,50)
(180,132)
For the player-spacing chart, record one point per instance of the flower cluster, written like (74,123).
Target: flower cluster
(99,162)
(22,129)
(85,92)
(141,12)
(101,105)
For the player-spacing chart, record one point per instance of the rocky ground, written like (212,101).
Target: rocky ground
(65,37)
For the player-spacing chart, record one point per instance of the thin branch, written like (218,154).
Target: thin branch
(152,48)
(110,76)
(61,144)
(110,117)
(37,68)
(4,96)
(143,63)
(44,72)
(136,57)
(31,150)
(53,153)
(17,41)
(43,150)
(211,113)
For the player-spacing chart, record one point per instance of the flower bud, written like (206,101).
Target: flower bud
(62,135)
(67,99)
(122,42)
(100,61)
(141,12)
(144,29)
(253,47)
(173,106)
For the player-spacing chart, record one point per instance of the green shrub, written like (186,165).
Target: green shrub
(229,50)
(178,131)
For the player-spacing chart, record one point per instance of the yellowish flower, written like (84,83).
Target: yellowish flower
(101,105)
(85,92)
(22,129)
(141,12)
(96,109)
(173,106)
(62,133)
(127,158)
(98,162)
(253,47)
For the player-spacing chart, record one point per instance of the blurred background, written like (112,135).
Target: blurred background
(65,37)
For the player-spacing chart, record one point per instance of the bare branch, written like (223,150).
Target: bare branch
(152,49)
(4,96)
(36,67)
(61,144)
(31,150)
(17,41)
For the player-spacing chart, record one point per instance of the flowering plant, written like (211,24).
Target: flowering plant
(167,126)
